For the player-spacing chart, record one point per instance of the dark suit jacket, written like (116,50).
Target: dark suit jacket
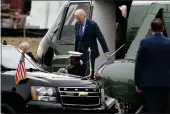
(91,32)
(153,62)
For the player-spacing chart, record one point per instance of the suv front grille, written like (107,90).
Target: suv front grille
(70,96)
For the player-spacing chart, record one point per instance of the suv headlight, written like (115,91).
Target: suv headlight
(43,93)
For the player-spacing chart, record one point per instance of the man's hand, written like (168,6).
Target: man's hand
(62,70)
(138,90)
(107,55)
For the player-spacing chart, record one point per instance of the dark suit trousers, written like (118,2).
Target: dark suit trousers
(92,66)
(157,99)
(87,66)
(85,59)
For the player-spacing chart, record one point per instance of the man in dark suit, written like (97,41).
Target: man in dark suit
(152,70)
(87,33)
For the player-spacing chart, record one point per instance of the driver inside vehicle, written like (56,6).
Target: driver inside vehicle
(75,66)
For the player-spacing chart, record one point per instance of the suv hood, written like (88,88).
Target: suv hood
(57,79)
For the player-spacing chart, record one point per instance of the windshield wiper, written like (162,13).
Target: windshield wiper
(33,69)
(7,69)
(30,69)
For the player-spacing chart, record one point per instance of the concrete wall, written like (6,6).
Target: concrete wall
(41,10)
(104,14)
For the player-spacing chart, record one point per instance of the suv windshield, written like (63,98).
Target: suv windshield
(11,57)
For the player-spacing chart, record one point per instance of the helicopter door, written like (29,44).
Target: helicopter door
(67,33)
(155,10)
(65,37)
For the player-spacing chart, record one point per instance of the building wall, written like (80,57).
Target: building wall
(43,13)
(14,13)
(17,5)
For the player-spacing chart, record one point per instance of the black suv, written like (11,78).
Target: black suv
(43,91)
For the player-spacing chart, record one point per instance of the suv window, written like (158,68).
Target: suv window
(11,57)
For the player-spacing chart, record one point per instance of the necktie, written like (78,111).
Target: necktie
(81,31)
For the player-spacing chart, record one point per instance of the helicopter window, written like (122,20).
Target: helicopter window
(68,31)
(159,15)
(131,33)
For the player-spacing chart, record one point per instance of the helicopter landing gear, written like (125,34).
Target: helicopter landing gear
(125,108)
(118,107)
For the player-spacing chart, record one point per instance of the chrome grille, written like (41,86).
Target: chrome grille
(70,96)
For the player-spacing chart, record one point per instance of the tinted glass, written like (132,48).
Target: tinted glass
(131,33)
(11,57)
(68,31)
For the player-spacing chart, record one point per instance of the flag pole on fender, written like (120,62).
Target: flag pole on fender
(21,72)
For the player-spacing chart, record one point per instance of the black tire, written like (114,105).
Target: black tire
(7,109)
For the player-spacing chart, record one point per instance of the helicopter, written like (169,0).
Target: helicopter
(54,46)
(118,75)
(123,35)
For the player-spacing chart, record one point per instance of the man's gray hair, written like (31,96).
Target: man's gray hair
(25,46)
(80,12)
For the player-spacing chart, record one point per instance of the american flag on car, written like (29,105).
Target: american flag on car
(21,72)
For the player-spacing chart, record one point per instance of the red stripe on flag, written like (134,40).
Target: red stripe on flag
(20,71)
